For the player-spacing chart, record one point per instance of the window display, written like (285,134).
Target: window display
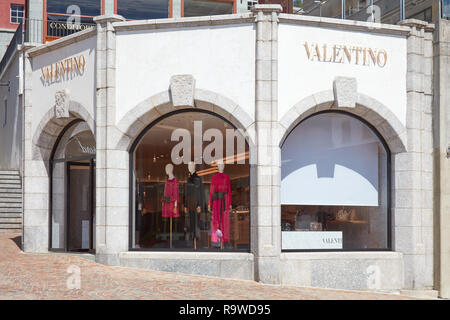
(190,193)
(334,186)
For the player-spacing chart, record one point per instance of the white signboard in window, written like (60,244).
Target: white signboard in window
(311,240)
(330,159)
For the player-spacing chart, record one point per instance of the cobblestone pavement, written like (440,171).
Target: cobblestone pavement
(45,276)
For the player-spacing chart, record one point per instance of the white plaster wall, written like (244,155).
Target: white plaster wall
(299,77)
(11,129)
(221,59)
(82,87)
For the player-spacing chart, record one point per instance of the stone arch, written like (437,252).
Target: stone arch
(50,127)
(367,108)
(158,105)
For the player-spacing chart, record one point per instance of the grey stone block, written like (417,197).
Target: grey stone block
(345,92)
(182,90)
(267,270)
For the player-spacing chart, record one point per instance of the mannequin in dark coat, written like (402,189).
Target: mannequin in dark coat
(194,202)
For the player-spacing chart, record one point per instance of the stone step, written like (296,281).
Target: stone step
(10,205)
(10,195)
(9,181)
(10,220)
(10,225)
(9,176)
(10,214)
(10,186)
(10,200)
(13,230)
(10,210)
(11,190)
(9,172)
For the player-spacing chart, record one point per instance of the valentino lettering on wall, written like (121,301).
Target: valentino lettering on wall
(63,70)
(338,53)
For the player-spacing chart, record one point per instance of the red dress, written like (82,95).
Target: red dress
(220,202)
(169,198)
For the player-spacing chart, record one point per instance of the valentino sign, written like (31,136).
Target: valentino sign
(337,53)
(62,69)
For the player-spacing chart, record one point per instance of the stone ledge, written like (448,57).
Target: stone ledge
(358,255)
(62,42)
(153,24)
(224,265)
(186,255)
(350,25)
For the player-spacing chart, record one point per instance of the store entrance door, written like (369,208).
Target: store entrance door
(80,206)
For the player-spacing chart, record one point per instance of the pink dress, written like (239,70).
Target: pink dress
(220,202)
(169,198)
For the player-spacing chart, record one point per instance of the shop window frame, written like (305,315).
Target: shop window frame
(388,187)
(131,183)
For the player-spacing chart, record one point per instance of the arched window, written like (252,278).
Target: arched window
(335,185)
(72,195)
(180,198)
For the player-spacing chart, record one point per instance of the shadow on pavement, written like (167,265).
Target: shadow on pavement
(18,241)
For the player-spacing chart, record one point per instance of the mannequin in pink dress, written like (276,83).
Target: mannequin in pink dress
(170,199)
(220,201)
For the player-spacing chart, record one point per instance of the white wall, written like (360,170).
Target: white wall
(221,59)
(81,87)
(11,132)
(300,77)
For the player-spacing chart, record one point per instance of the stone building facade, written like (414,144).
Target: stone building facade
(267,74)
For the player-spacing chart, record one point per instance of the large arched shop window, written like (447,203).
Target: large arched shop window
(335,185)
(155,222)
(72,189)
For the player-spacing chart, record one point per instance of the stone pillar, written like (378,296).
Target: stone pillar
(413,170)
(36,15)
(176,9)
(111,165)
(35,177)
(266,223)
(241,6)
(441,124)
(109,7)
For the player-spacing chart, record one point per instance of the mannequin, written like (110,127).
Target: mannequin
(220,204)
(170,198)
(193,202)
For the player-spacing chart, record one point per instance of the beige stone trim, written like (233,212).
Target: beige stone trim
(367,108)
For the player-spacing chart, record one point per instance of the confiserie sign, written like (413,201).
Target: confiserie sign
(60,70)
(349,54)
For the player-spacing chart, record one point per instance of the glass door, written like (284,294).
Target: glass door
(80,201)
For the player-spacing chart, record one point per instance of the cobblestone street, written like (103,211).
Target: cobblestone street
(45,276)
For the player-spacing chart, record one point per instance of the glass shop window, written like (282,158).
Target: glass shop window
(195,8)
(90,8)
(16,13)
(143,9)
(65,17)
(334,186)
(191,181)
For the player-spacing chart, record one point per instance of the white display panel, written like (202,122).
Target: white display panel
(330,159)
(311,240)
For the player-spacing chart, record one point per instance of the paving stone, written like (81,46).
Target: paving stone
(46,276)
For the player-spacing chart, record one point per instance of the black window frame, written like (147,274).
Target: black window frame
(388,186)
(132,210)
(67,162)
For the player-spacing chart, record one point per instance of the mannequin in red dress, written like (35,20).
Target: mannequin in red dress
(220,201)
(170,199)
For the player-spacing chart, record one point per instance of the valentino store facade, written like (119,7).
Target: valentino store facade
(263,146)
